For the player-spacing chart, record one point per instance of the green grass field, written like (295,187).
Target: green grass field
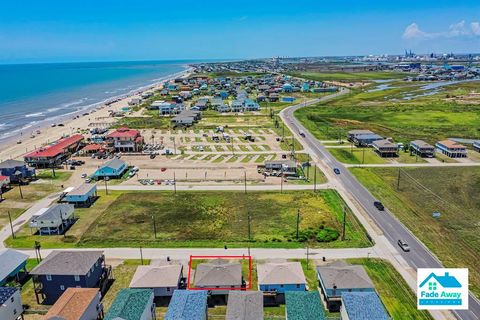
(399,300)
(349,76)
(455,236)
(206,219)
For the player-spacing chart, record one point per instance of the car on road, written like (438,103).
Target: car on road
(379,205)
(84,175)
(403,245)
(336,170)
(302,134)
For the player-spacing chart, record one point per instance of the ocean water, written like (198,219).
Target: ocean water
(36,94)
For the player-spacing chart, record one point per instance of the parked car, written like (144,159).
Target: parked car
(379,205)
(336,170)
(403,245)
(84,175)
(88,180)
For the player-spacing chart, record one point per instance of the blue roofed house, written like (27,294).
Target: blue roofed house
(70,269)
(288,99)
(287,87)
(16,170)
(362,306)
(11,307)
(188,304)
(13,263)
(251,105)
(82,196)
(339,277)
(305,87)
(114,168)
(132,304)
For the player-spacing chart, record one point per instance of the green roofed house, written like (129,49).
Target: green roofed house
(303,305)
(132,304)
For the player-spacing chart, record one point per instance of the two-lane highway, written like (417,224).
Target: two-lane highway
(419,256)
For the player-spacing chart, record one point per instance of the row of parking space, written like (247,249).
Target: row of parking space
(216,158)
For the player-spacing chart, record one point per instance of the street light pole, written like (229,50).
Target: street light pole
(298,221)
(249,231)
(11,225)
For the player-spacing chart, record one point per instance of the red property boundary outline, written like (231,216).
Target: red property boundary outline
(189,287)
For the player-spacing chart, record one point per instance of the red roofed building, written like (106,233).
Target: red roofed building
(4,182)
(125,140)
(55,154)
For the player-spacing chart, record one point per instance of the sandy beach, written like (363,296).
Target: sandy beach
(10,149)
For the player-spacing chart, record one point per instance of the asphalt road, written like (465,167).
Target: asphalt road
(419,256)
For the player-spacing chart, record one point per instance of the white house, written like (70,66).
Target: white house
(11,307)
(53,220)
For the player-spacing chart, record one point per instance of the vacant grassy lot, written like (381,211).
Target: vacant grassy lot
(455,236)
(350,76)
(400,301)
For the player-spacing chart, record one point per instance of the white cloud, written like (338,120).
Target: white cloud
(475,26)
(455,30)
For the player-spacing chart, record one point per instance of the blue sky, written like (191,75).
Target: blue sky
(52,30)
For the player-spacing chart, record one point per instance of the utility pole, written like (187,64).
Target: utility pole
(344,222)
(141,255)
(106,187)
(308,253)
(298,221)
(281,182)
(245,180)
(249,231)
(398,179)
(174,183)
(11,225)
(363,155)
(154,227)
(315,178)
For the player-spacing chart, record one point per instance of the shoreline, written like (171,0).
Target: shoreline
(72,121)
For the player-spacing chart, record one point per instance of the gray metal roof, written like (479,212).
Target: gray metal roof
(344,277)
(280,273)
(384,143)
(218,273)
(55,212)
(245,305)
(422,144)
(67,263)
(156,276)
(11,164)
(82,189)
(115,164)
(11,259)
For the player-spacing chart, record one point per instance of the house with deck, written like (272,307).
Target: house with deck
(70,269)
(82,196)
(11,307)
(362,306)
(352,134)
(54,154)
(275,278)
(188,304)
(476,145)
(132,304)
(114,168)
(16,171)
(77,304)
(250,105)
(337,278)
(451,149)
(301,305)
(245,305)
(12,266)
(422,149)
(125,140)
(164,280)
(366,140)
(52,220)
(385,148)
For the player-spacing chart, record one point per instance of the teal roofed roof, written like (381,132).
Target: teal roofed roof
(303,305)
(130,304)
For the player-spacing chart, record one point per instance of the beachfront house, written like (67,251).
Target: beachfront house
(385,148)
(275,278)
(53,220)
(422,149)
(451,149)
(337,278)
(164,280)
(125,140)
(82,196)
(69,269)
(362,305)
(188,304)
(132,304)
(114,168)
(54,154)
(16,171)
(13,265)
(301,305)
(11,307)
(77,304)
(245,305)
